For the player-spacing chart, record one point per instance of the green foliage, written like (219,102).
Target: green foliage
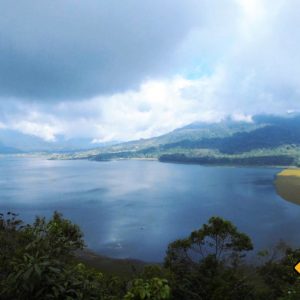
(39,262)
(154,289)
(13,238)
(205,265)
(58,237)
(219,239)
(291,292)
(265,160)
(152,271)
(281,281)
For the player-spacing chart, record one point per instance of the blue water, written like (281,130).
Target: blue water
(135,208)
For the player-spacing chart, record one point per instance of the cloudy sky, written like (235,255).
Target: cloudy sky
(121,70)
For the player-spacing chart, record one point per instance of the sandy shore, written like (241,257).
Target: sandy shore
(288,185)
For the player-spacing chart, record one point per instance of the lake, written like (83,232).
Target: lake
(135,208)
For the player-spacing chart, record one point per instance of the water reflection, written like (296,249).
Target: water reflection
(134,208)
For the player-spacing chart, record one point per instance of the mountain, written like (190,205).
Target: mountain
(267,140)
(12,142)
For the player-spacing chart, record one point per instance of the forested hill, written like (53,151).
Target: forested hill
(267,140)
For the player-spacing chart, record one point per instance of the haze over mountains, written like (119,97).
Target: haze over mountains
(267,140)
(13,142)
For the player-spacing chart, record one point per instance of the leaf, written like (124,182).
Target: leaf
(38,270)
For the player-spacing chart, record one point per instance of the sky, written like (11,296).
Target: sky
(124,70)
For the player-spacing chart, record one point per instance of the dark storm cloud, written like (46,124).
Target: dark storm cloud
(63,49)
(140,68)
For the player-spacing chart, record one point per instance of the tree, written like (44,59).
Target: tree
(152,289)
(281,281)
(38,262)
(206,264)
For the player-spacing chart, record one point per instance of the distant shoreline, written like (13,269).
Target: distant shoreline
(52,157)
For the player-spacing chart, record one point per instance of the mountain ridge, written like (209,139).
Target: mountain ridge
(269,140)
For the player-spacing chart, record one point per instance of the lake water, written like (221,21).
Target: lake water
(135,208)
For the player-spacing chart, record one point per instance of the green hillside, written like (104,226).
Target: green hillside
(268,140)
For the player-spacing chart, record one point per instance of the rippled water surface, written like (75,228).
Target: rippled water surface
(135,208)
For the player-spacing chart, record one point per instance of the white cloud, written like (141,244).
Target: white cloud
(2,126)
(243,59)
(44,131)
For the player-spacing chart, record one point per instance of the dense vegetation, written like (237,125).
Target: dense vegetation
(40,261)
(275,160)
(265,141)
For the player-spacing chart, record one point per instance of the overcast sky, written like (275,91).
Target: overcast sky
(123,70)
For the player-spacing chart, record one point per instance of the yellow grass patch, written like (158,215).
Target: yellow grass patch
(290,172)
(288,185)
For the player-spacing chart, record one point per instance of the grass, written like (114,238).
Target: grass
(288,185)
